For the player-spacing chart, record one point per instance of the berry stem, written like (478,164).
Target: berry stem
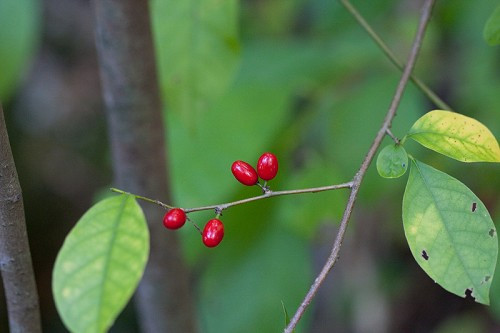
(194,225)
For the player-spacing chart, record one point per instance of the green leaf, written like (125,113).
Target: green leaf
(491,30)
(100,264)
(456,136)
(392,161)
(450,232)
(198,51)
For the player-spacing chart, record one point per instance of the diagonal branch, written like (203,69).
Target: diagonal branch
(358,178)
(387,51)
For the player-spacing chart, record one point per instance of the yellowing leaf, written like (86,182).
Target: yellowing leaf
(450,233)
(456,136)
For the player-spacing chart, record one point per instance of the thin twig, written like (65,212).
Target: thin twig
(157,202)
(383,46)
(393,137)
(332,259)
(269,194)
(222,206)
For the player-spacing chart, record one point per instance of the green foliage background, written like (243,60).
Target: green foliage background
(299,78)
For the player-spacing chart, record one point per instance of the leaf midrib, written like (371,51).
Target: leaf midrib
(444,224)
(116,223)
(484,150)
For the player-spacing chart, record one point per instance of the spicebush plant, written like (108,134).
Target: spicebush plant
(448,229)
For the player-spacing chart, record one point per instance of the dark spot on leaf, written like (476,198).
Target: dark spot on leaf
(424,255)
(403,165)
(487,278)
(474,206)
(468,294)
(492,232)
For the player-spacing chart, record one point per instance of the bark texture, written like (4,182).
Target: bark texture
(129,83)
(15,257)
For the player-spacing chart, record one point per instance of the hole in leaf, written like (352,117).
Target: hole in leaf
(492,232)
(474,206)
(468,294)
(424,255)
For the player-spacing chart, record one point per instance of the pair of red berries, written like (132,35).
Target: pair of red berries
(212,233)
(267,168)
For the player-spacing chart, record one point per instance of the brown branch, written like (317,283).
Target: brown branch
(358,178)
(269,194)
(220,207)
(392,136)
(154,201)
(387,51)
(129,82)
(15,257)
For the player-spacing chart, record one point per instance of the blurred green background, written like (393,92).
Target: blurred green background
(295,77)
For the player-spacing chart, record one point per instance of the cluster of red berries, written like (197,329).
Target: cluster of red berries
(267,168)
(212,234)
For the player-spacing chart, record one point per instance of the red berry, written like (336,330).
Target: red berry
(267,166)
(213,233)
(174,218)
(244,173)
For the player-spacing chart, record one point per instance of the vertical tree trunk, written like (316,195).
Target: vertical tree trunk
(129,82)
(15,257)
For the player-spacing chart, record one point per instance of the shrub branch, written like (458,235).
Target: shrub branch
(387,51)
(355,184)
(358,178)
(220,207)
